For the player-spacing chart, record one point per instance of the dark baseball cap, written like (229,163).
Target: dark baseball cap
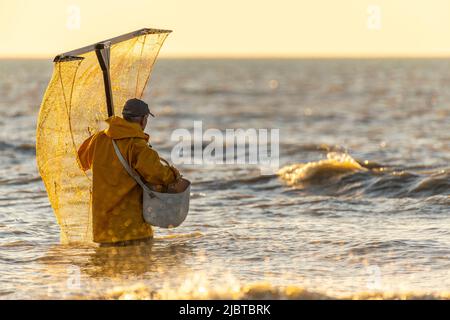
(136,108)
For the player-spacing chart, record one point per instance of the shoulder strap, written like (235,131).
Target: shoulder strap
(130,171)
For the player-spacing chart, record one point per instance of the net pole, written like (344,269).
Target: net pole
(102,50)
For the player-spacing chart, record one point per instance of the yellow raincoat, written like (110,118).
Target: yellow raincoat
(116,199)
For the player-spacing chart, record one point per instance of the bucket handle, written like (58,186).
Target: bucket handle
(168,164)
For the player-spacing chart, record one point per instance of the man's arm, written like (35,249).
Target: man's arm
(147,163)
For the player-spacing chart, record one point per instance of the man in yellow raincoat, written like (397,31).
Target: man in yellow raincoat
(116,199)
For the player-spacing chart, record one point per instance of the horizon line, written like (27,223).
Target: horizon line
(261,56)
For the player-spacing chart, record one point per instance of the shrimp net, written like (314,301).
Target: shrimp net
(74,108)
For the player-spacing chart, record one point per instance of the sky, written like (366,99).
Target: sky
(233,28)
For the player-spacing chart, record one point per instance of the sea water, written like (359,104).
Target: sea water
(360,207)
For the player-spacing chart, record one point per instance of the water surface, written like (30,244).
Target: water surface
(360,207)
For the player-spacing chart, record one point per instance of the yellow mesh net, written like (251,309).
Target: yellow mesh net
(73,108)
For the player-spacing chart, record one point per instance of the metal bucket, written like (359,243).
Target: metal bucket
(166,210)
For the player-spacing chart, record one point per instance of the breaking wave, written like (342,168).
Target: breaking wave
(340,174)
(259,291)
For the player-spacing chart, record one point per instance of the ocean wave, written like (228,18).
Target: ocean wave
(438,182)
(218,184)
(22,147)
(340,174)
(255,291)
(289,149)
(22,181)
(18,244)
(223,91)
(336,165)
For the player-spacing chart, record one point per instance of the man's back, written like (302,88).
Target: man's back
(116,201)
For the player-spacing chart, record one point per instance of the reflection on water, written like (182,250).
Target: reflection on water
(95,268)
(359,209)
(152,271)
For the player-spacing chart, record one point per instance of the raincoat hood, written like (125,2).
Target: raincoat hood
(119,128)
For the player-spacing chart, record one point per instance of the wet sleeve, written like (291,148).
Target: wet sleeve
(147,163)
(85,153)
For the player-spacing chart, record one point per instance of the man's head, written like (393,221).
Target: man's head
(137,111)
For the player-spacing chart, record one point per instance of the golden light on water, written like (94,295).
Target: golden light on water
(362,193)
(129,273)
(334,165)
